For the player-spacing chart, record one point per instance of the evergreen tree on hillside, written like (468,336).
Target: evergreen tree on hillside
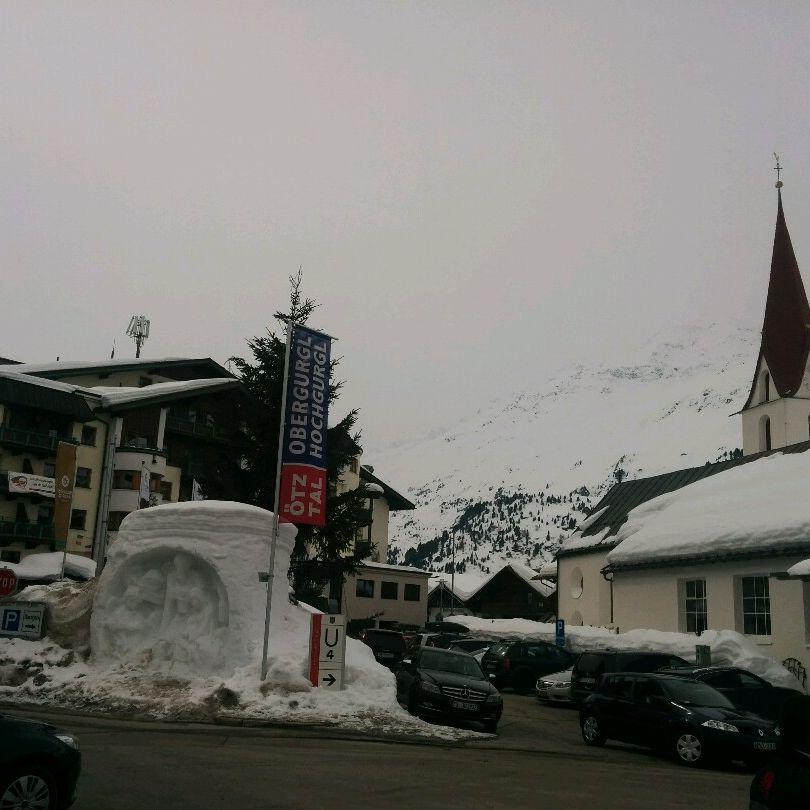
(321,555)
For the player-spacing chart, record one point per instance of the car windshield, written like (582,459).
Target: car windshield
(448,662)
(694,693)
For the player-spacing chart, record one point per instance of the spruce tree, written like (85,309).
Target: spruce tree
(322,555)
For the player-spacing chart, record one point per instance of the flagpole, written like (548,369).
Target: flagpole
(274,535)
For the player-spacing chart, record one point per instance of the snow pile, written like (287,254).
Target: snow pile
(729,648)
(68,606)
(177,632)
(754,507)
(801,569)
(47,567)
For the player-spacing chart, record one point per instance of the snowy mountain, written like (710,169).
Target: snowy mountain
(515,477)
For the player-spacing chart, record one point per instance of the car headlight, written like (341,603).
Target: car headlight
(496,698)
(427,686)
(67,739)
(716,724)
(545,684)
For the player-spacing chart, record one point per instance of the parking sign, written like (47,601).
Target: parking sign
(559,632)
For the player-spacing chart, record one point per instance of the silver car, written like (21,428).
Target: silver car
(554,688)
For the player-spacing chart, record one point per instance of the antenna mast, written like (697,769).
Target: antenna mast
(138,330)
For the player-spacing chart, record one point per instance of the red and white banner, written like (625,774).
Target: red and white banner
(302,493)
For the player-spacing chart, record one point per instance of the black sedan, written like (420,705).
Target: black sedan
(39,765)
(744,689)
(441,683)
(674,715)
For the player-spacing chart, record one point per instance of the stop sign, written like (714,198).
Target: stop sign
(8,582)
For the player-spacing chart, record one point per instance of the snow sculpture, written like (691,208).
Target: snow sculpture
(180,592)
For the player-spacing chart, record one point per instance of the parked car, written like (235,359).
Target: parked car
(441,683)
(590,665)
(447,627)
(678,716)
(441,640)
(39,765)
(744,689)
(554,688)
(471,645)
(519,663)
(388,646)
(783,783)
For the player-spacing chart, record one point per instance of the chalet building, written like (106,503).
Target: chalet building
(711,547)
(146,432)
(514,592)
(444,603)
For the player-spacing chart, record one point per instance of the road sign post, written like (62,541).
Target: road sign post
(22,620)
(327,651)
(559,632)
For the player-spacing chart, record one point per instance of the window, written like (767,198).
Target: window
(389,590)
(766,386)
(354,465)
(83,477)
(144,381)
(45,514)
(78,519)
(412,593)
(89,435)
(49,469)
(365,588)
(577,583)
(166,490)
(114,520)
(756,606)
(695,605)
(126,479)
(764,433)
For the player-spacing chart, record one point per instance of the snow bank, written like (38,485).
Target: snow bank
(729,648)
(48,566)
(801,569)
(757,506)
(177,631)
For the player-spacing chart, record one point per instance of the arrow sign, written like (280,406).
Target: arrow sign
(327,650)
(330,679)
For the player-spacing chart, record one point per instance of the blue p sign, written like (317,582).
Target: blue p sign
(11,620)
(559,632)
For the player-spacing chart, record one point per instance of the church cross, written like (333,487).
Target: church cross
(778,170)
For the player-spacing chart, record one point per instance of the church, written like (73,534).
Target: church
(725,545)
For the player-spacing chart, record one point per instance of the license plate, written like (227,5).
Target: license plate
(385,655)
(460,704)
(764,746)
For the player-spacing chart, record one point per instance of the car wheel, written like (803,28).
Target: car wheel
(30,788)
(523,682)
(592,731)
(491,726)
(689,748)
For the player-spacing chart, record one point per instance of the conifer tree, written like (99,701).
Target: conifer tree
(322,556)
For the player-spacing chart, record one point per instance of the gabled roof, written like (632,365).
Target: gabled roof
(786,328)
(522,572)
(181,368)
(609,515)
(395,500)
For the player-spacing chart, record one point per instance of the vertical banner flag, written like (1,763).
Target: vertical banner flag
(64,477)
(144,493)
(302,497)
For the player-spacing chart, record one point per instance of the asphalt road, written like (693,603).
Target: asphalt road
(538,760)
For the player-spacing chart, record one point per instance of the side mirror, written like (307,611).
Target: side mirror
(406,663)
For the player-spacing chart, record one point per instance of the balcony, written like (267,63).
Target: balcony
(29,533)
(41,444)
(187,427)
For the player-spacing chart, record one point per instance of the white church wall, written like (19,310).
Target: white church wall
(654,599)
(583,594)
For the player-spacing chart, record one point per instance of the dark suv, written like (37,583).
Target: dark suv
(518,664)
(388,646)
(590,665)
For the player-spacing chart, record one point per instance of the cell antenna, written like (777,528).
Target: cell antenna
(138,330)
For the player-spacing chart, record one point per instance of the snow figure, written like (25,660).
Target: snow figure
(180,592)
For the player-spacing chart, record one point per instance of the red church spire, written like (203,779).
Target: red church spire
(786,329)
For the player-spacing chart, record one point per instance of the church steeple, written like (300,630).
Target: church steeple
(786,328)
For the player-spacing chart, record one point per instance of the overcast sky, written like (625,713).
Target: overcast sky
(477,192)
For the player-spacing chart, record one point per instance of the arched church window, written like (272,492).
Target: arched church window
(766,387)
(765,433)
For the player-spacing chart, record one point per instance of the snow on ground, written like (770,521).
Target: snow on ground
(729,648)
(48,566)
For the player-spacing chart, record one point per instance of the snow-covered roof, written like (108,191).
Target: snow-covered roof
(756,509)
(13,373)
(525,573)
(801,569)
(48,566)
(83,365)
(112,397)
(404,569)
(547,571)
